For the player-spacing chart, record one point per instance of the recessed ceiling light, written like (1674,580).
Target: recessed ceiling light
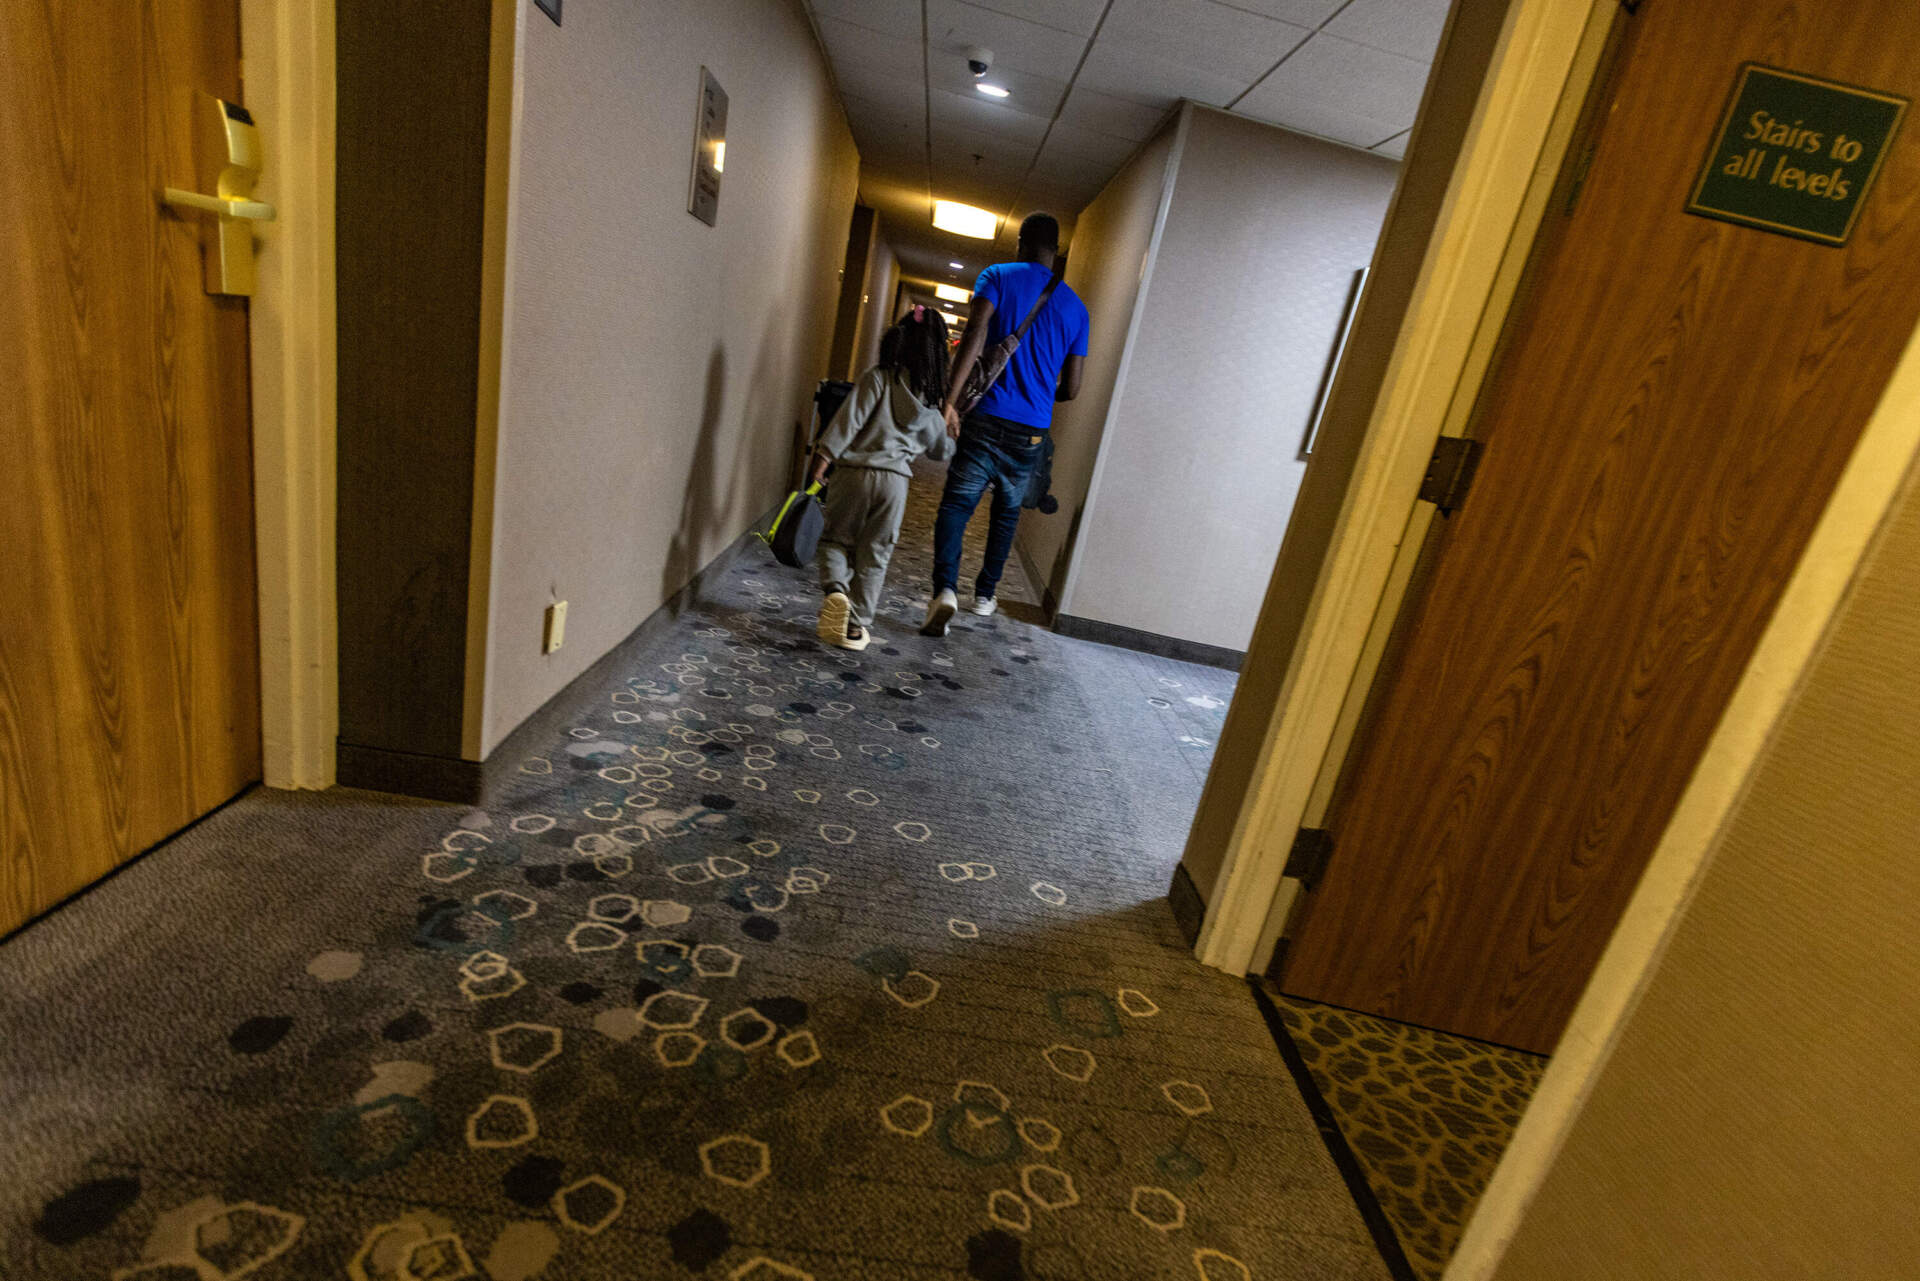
(957,266)
(992,91)
(964,220)
(950,293)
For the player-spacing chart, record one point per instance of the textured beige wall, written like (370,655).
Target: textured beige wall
(1104,261)
(1199,467)
(654,366)
(1757,1117)
(883,275)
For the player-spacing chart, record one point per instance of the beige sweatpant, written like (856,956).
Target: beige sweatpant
(863,510)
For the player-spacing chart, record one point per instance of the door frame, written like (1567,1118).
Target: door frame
(1482,237)
(287,74)
(1536,83)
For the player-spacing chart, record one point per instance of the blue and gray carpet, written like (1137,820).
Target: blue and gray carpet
(775,963)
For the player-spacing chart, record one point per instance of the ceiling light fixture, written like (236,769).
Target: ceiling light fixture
(950,293)
(957,266)
(964,220)
(993,91)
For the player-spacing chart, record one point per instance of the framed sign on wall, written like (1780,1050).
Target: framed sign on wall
(1795,154)
(709,150)
(551,8)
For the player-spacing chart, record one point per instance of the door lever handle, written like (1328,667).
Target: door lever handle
(225,206)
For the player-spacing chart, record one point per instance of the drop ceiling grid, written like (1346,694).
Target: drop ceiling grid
(1348,70)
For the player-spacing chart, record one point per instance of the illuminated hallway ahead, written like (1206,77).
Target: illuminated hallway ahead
(858,965)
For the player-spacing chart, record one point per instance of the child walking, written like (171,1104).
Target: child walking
(891,417)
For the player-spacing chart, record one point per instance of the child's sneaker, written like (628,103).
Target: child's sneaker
(835,618)
(983,605)
(939,612)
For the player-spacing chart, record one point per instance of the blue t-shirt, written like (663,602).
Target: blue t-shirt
(1024,392)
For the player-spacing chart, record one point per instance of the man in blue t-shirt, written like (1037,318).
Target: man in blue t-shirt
(1003,437)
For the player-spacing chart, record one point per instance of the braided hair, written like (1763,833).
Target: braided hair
(915,349)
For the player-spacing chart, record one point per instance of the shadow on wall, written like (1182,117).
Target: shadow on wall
(702,508)
(708,513)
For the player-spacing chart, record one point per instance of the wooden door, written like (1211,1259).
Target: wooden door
(1673,407)
(129,700)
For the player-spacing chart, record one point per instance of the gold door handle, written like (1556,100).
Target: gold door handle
(224,206)
(229,163)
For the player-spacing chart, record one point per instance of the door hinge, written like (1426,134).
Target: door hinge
(1307,860)
(1450,472)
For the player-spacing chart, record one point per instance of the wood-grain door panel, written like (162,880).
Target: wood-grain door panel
(1669,414)
(129,700)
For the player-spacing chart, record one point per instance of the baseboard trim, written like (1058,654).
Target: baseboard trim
(1385,1240)
(1188,903)
(432,778)
(1185,651)
(582,694)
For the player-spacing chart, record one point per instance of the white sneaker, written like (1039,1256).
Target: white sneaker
(939,612)
(983,605)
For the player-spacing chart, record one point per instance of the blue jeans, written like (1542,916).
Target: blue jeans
(991,452)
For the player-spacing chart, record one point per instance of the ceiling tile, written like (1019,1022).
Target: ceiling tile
(851,45)
(954,164)
(1058,169)
(1303,13)
(1410,28)
(890,113)
(1104,113)
(1341,90)
(1018,45)
(970,111)
(1034,95)
(1077,16)
(1395,146)
(1097,148)
(879,90)
(1158,51)
(893,17)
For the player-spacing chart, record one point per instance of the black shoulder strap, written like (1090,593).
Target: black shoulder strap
(1059,270)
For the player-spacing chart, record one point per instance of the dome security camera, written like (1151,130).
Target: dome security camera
(979,60)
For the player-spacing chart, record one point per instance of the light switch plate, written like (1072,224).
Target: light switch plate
(556,633)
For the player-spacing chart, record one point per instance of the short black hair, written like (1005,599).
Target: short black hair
(1040,231)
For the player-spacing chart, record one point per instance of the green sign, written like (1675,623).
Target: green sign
(1796,155)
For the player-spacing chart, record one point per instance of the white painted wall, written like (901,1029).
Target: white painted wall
(1198,467)
(1105,260)
(654,367)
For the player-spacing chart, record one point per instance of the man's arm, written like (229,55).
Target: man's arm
(978,314)
(1070,370)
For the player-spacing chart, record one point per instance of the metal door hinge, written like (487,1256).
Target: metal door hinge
(1307,860)
(1450,472)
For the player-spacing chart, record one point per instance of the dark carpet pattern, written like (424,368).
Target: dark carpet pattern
(1427,1115)
(775,963)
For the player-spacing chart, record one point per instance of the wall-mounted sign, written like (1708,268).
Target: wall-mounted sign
(551,8)
(1796,155)
(709,150)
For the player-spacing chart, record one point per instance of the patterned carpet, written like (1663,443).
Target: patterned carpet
(775,964)
(1427,1115)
